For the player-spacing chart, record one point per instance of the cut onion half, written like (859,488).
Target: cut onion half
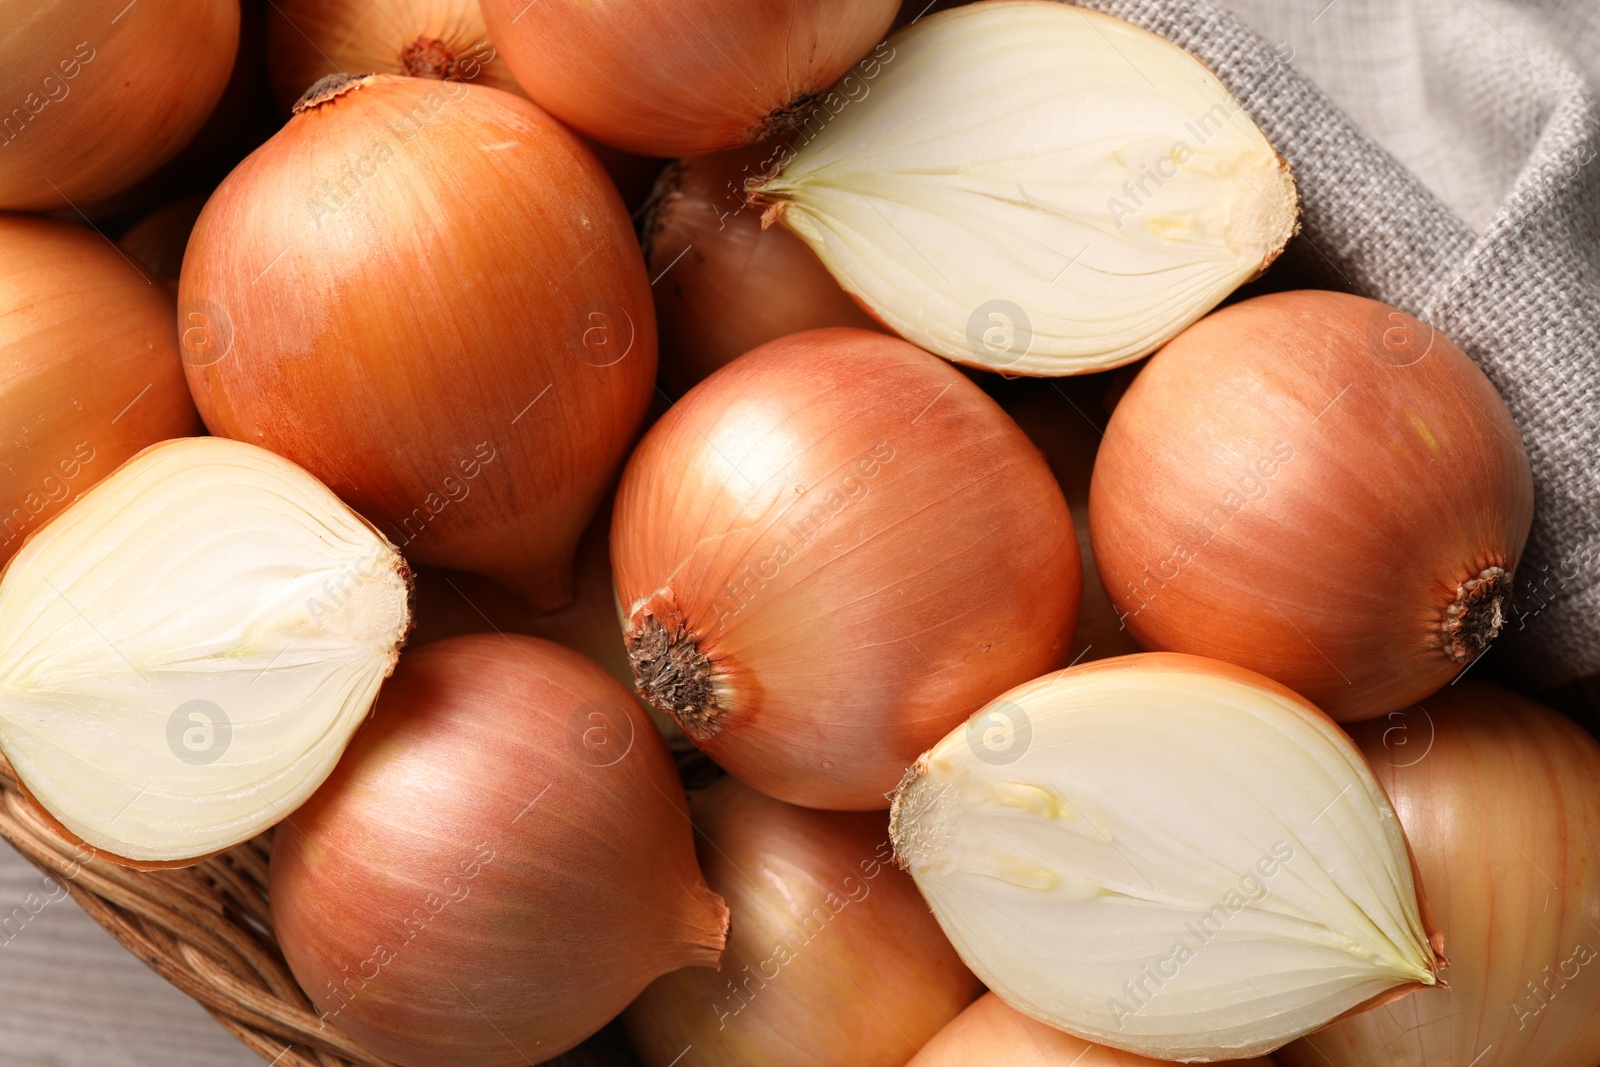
(187,649)
(1167,855)
(1036,189)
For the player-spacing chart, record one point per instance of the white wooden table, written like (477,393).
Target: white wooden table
(73,997)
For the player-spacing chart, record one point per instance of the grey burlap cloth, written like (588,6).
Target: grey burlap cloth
(1448,165)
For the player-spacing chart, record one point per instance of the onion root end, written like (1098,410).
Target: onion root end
(672,673)
(1477,614)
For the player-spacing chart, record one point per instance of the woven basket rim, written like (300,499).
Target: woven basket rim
(206,929)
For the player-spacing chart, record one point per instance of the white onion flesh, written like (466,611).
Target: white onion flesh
(1035,188)
(1165,855)
(186,650)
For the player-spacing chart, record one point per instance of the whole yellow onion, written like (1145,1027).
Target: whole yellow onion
(95,94)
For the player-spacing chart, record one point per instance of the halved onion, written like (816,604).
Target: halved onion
(1035,188)
(186,650)
(1167,855)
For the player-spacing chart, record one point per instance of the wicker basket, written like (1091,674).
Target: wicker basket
(208,931)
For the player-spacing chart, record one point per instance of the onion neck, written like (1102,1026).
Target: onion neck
(1476,615)
(655,213)
(674,675)
(329,88)
(786,119)
(706,936)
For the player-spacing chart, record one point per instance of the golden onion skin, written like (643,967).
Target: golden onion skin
(1317,487)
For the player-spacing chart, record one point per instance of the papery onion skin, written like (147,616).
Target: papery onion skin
(1037,189)
(685,78)
(1317,487)
(506,846)
(92,369)
(1069,437)
(831,551)
(992,1034)
(136,629)
(1167,855)
(1500,798)
(832,958)
(462,344)
(724,284)
(97,94)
